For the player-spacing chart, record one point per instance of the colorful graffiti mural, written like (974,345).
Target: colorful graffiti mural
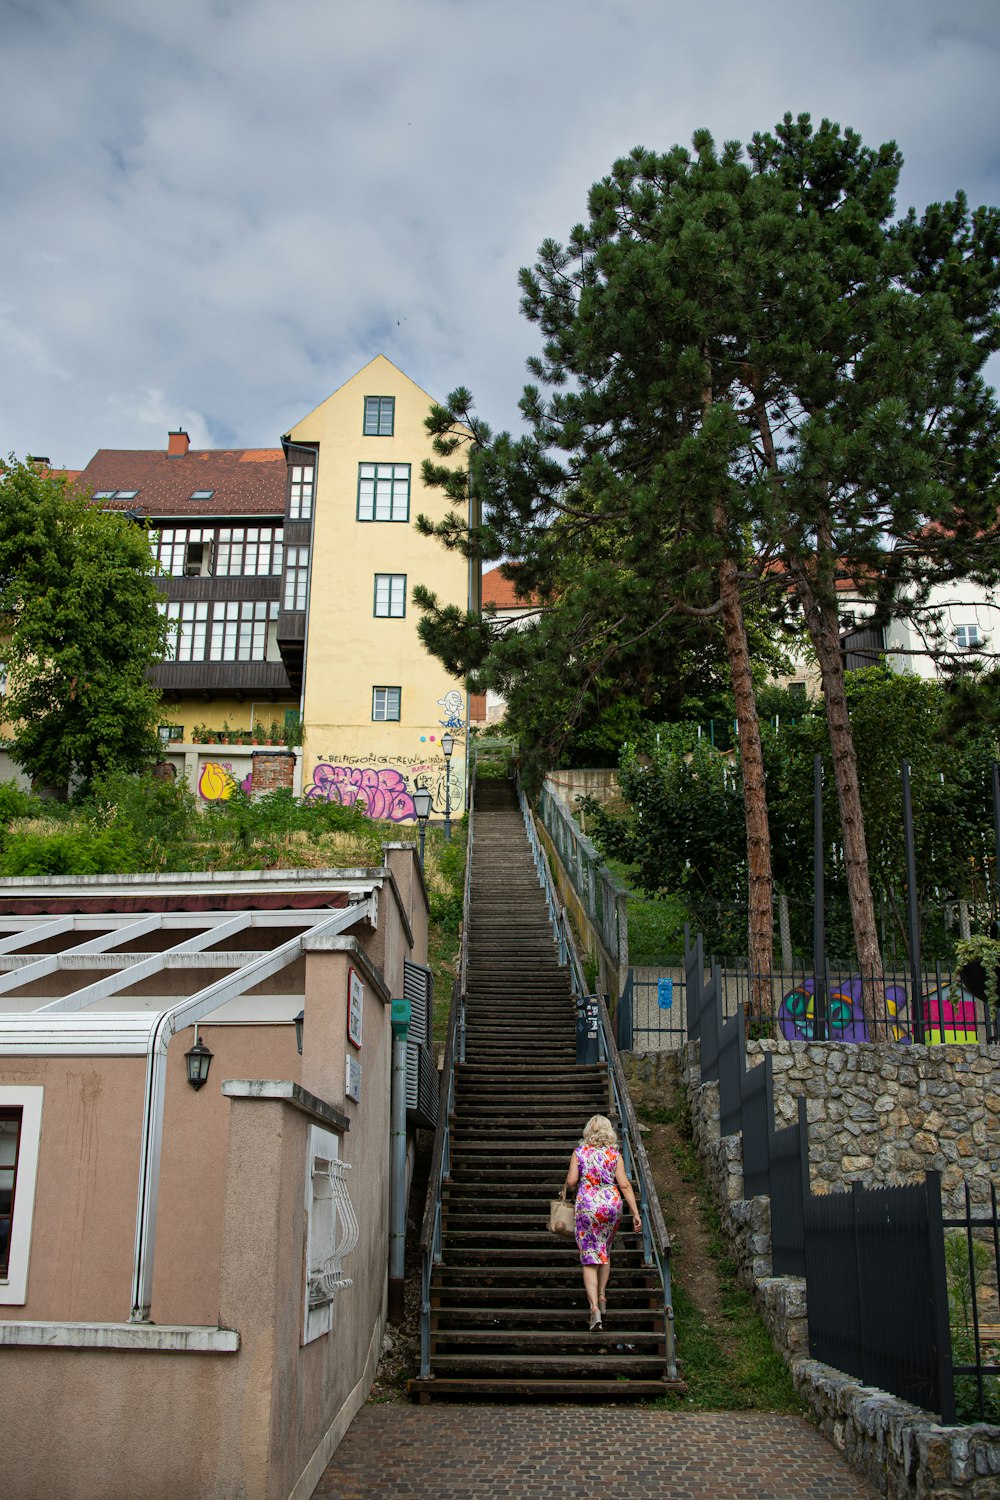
(949,1014)
(382,793)
(216,782)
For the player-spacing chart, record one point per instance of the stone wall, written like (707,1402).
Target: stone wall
(899,1449)
(883,1114)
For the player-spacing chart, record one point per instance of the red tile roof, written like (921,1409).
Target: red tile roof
(498,591)
(248,481)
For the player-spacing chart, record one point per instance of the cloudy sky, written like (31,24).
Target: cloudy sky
(212,212)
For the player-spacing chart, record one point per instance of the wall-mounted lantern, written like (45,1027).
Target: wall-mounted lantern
(199,1060)
(299,1023)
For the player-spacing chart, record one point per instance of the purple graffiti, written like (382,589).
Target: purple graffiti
(844,1017)
(381,793)
(949,1014)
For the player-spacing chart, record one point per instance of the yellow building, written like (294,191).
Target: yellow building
(287,576)
(375,705)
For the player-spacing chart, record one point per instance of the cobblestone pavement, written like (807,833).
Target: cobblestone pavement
(446,1452)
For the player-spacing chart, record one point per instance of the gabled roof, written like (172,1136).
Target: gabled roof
(248,481)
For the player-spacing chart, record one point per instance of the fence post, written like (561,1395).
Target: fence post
(939,1296)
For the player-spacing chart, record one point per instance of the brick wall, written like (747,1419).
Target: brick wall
(272,771)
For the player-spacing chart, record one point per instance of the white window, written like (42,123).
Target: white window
(249,552)
(383,492)
(331,1229)
(390,595)
(967,637)
(300,494)
(20,1133)
(189,629)
(239,629)
(385,704)
(296,577)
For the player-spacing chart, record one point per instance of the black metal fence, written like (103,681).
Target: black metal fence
(972,1259)
(873,1258)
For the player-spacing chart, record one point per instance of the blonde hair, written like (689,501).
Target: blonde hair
(599,1131)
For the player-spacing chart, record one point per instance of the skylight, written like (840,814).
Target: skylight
(202,494)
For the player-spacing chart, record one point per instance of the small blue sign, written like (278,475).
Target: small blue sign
(665,994)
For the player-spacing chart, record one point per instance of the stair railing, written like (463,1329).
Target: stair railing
(655,1239)
(431,1230)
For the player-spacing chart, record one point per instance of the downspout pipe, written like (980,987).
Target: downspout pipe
(397,1171)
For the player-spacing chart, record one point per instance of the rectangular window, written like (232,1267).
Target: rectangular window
(189,629)
(296,577)
(239,630)
(385,704)
(390,595)
(10,1136)
(300,493)
(20,1133)
(967,637)
(383,492)
(249,552)
(380,413)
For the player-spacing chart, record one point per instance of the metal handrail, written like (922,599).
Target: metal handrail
(430,1229)
(655,1239)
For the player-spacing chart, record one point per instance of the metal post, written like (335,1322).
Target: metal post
(423,839)
(397,1185)
(996,837)
(819,906)
(912,911)
(447,746)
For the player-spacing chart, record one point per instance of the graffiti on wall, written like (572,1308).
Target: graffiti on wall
(386,791)
(382,792)
(216,782)
(949,1014)
(452,703)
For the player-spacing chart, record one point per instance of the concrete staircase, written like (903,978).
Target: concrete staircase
(509,1313)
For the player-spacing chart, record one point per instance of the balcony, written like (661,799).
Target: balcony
(222,679)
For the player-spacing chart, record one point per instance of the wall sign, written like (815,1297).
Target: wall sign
(355,1007)
(665,994)
(352,1082)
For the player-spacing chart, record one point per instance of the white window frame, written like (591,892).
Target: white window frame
(383,703)
(27,1098)
(969,637)
(331,1231)
(300,492)
(295,597)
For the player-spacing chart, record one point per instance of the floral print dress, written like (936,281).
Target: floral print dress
(598,1203)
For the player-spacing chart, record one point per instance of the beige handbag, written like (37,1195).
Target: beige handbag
(562,1215)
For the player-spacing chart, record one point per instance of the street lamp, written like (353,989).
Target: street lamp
(299,1022)
(447,745)
(422,807)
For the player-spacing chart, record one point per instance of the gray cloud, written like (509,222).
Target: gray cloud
(213,213)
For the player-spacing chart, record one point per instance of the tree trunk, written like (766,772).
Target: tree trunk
(754,792)
(821,620)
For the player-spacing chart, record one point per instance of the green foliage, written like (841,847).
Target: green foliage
(682,833)
(962,1280)
(78,593)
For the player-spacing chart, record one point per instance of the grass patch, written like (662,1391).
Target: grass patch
(728,1361)
(655,924)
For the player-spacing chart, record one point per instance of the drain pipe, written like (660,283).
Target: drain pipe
(397,1161)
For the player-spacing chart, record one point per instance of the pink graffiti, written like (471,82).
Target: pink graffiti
(382,794)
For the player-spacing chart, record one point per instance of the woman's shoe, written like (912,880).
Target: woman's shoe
(602,1305)
(595,1319)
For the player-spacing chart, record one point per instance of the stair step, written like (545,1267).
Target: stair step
(534,1389)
